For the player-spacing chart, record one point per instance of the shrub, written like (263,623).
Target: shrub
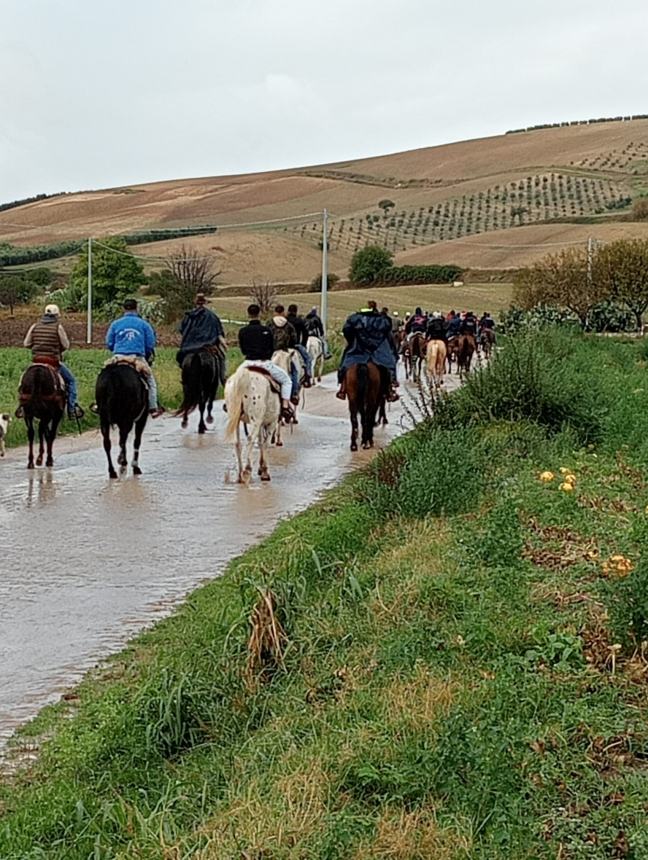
(526,383)
(316,284)
(368,263)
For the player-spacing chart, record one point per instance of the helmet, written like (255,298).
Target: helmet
(53,310)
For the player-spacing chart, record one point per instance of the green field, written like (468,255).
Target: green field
(443,297)
(459,671)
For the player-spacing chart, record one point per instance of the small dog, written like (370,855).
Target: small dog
(4,426)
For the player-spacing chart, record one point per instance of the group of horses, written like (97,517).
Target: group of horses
(121,397)
(440,355)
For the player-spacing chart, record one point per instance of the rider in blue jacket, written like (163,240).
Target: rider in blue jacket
(131,337)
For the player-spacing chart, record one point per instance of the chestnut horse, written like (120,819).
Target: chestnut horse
(466,348)
(42,399)
(436,360)
(365,387)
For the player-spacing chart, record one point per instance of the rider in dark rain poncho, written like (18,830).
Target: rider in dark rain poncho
(369,338)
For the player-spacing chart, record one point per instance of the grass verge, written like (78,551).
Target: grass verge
(443,658)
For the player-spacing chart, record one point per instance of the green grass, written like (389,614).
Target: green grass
(447,688)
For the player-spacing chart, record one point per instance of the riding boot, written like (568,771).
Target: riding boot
(341,394)
(392,395)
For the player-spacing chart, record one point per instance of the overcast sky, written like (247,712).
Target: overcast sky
(96,94)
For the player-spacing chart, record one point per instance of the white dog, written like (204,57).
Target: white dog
(4,425)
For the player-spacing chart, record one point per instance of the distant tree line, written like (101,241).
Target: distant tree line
(13,204)
(13,255)
(579,122)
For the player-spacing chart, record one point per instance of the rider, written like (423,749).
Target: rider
(315,328)
(454,324)
(416,324)
(200,329)
(469,324)
(299,324)
(369,338)
(436,327)
(285,338)
(487,321)
(130,336)
(257,345)
(48,341)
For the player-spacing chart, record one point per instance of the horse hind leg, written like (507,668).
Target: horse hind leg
(264,474)
(105,432)
(50,436)
(122,459)
(30,436)
(41,442)
(137,442)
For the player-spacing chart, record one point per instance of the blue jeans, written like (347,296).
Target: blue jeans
(70,385)
(308,364)
(294,380)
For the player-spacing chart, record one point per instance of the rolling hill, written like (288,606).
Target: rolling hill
(475,203)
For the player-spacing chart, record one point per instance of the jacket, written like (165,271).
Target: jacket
(314,325)
(47,337)
(256,341)
(200,328)
(299,325)
(369,338)
(416,324)
(285,336)
(436,329)
(131,335)
(454,325)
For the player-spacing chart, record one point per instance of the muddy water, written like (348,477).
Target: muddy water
(85,562)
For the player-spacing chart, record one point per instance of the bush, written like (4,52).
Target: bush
(316,284)
(419,274)
(526,383)
(515,319)
(368,263)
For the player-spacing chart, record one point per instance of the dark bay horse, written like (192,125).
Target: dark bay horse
(201,375)
(487,341)
(42,399)
(466,348)
(365,387)
(413,354)
(122,401)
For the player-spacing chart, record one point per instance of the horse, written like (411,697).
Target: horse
(416,347)
(452,351)
(316,351)
(436,360)
(487,341)
(251,400)
(201,374)
(121,395)
(467,346)
(365,387)
(42,399)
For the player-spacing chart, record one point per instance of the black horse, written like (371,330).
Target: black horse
(201,375)
(42,399)
(122,401)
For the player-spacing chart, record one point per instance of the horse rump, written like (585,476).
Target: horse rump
(121,394)
(200,378)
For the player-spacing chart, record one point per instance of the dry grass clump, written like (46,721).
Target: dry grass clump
(415,835)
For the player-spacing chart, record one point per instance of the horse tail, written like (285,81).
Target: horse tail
(235,391)
(191,383)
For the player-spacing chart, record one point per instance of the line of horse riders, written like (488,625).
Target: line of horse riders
(283,356)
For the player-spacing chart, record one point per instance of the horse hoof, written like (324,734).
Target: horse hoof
(39,461)
(184,423)
(137,470)
(113,475)
(202,429)
(279,443)
(354,447)
(210,419)
(30,465)
(265,476)
(49,463)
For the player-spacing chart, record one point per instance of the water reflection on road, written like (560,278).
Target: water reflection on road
(85,561)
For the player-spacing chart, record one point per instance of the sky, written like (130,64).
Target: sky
(96,94)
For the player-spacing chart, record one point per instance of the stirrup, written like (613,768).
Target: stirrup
(94,408)
(20,412)
(155,413)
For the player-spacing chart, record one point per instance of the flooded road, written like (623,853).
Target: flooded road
(86,562)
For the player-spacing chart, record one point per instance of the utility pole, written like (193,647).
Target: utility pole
(590,256)
(89,329)
(324,296)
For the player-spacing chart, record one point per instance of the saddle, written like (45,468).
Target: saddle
(274,385)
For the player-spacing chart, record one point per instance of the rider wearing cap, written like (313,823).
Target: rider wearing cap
(131,337)
(48,340)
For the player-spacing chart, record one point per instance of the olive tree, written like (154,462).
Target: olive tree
(621,268)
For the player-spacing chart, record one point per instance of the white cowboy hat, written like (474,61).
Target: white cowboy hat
(53,310)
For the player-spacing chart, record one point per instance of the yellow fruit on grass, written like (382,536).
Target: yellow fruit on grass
(547,476)
(567,487)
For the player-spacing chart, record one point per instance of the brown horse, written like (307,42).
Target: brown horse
(365,387)
(487,341)
(467,346)
(452,348)
(42,399)
(413,351)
